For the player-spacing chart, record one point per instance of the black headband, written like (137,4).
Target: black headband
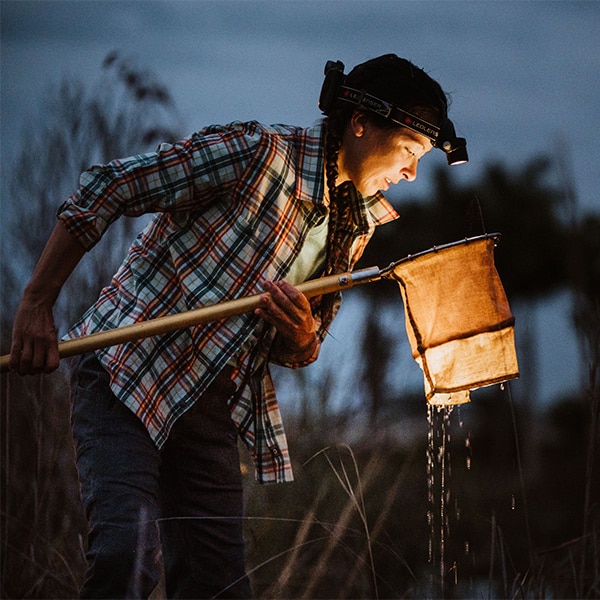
(390,111)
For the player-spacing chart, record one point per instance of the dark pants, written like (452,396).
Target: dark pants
(185,500)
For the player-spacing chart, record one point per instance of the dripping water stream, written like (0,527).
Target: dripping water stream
(443,505)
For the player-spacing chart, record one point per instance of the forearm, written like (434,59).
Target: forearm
(59,258)
(186,176)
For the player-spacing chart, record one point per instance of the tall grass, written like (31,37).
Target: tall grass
(43,526)
(354,523)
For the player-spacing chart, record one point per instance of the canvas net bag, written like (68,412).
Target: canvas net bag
(458,321)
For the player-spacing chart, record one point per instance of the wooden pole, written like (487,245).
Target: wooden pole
(223,310)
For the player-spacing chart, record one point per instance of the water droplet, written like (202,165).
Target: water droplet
(469,451)
(513,502)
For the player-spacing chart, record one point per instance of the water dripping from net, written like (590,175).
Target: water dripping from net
(438,469)
(443,506)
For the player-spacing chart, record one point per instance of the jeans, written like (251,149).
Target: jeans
(183,504)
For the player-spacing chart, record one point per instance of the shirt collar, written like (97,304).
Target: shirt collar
(380,210)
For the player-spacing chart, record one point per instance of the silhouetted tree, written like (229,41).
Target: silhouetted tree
(520,205)
(376,349)
(585,269)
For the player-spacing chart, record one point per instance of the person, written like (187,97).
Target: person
(241,209)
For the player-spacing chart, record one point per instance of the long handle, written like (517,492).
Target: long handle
(160,325)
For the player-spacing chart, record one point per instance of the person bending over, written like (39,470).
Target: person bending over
(241,209)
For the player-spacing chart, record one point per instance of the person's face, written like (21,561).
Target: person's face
(373,158)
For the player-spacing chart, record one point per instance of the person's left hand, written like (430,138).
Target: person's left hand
(289,311)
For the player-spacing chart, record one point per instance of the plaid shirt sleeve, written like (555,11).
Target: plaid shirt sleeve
(176,177)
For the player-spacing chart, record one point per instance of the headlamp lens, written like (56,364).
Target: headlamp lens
(456,151)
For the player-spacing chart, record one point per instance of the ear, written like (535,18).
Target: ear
(358,122)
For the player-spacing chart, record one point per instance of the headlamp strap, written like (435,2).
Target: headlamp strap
(390,111)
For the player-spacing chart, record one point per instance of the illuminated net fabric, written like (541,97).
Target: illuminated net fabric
(458,321)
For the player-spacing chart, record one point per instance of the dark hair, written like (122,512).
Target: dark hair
(398,81)
(394,80)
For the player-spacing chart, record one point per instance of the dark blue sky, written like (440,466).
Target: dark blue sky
(523,75)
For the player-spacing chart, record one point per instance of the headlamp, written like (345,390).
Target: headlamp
(443,137)
(454,147)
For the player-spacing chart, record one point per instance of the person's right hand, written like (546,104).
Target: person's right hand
(34,346)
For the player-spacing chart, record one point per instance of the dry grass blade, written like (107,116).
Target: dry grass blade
(379,525)
(300,541)
(355,504)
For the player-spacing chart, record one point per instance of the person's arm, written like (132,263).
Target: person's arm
(34,341)
(288,309)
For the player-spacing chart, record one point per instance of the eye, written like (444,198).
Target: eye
(410,152)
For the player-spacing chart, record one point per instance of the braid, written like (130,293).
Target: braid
(332,149)
(333,144)
(339,208)
(395,80)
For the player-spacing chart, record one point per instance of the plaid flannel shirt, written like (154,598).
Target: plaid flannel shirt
(233,205)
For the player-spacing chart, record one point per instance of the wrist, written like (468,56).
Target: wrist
(304,353)
(307,346)
(288,354)
(40,295)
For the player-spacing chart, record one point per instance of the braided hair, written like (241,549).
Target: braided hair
(340,211)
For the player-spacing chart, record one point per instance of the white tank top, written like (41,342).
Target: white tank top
(312,256)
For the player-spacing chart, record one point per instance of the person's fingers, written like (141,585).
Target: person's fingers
(52,357)
(288,299)
(32,355)
(16,350)
(38,356)
(287,292)
(288,310)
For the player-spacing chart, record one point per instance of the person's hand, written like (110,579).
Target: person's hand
(289,311)
(34,342)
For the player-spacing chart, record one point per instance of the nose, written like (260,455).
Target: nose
(409,172)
